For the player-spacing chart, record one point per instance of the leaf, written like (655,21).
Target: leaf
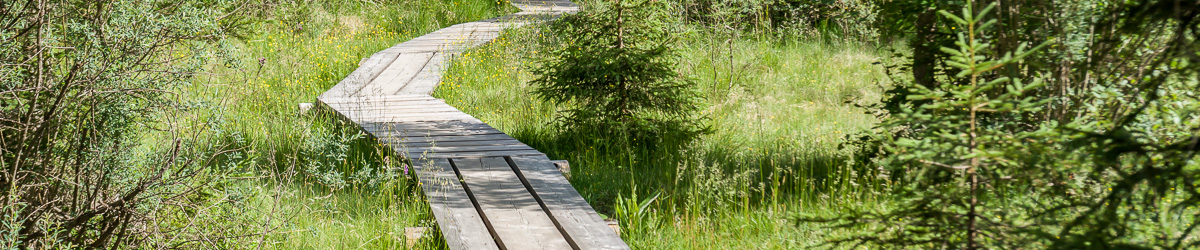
(646,203)
(952,17)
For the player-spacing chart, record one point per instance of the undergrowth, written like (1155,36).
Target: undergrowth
(779,111)
(310,180)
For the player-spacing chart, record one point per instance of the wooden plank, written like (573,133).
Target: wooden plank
(397,75)
(381,107)
(404,113)
(423,133)
(514,215)
(360,99)
(569,211)
(455,149)
(381,103)
(400,110)
(372,119)
(428,126)
(426,133)
(450,138)
(462,143)
(424,155)
(407,109)
(426,81)
(456,214)
(401,113)
(366,72)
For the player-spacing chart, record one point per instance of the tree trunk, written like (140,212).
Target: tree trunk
(925,49)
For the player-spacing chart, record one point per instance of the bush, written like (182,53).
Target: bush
(614,68)
(80,82)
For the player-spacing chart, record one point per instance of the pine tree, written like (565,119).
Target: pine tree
(615,69)
(957,162)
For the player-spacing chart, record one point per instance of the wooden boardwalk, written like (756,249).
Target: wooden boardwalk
(486,189)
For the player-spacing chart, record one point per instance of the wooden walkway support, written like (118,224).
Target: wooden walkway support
(486,189)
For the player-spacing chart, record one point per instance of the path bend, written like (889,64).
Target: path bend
(486,189)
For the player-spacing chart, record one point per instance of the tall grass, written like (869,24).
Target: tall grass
(779,111)
(308,180)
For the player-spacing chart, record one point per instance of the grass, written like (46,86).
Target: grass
(774,152)
(307,180)
(780,111)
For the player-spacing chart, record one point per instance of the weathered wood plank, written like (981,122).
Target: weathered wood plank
(406,109)
(362,76)
(397,75)
(426,155)
(450,138)
(422,104)
(399,114)
(456,149)
(402,114)
(374,119)
(573,216)
(428,79)
(457,216)
(431,125)
(369,99)
(390,132)
(512,212)
(411,110)
(462,143)
(369,102)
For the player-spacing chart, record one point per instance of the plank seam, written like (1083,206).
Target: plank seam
(541,203)
(478,209)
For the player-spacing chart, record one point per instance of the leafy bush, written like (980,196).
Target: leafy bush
(80,80)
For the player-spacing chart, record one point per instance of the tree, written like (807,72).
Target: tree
(953,154)
(975,172)
(615,69)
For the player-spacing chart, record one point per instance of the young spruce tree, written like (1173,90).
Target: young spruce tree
(614,67)
(958,162)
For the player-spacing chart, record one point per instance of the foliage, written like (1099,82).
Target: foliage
(838,20)
(79,81)
(617,70)
(773,150)
(984,162)
(140,124)
(957,165)
(1072,25)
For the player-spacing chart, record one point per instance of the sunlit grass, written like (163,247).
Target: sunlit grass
(778,123)
(250,102)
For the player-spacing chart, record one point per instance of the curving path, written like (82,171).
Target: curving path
(486,189)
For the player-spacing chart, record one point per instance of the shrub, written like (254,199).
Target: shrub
(80,82)
(615,69)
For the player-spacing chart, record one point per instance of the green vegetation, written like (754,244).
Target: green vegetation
(619,76)
(777,127)
(148,124)
(313,181)
(243,168)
